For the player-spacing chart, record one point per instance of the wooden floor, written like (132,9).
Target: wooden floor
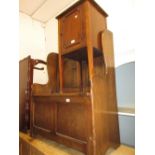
(48,147)
(124,150)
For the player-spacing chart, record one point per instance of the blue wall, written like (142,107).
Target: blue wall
(125,85)
(125,88)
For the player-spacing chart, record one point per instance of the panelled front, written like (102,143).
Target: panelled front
(62,116)
(44,116)
(71,36)
(71,119)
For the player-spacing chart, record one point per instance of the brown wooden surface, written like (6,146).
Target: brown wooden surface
(63,121)
(108,53)
(78,3)
(82,114)
(24,148)
(124,150)
(71,68)
(97,17)
(25,81)
(71,35)
(42,146)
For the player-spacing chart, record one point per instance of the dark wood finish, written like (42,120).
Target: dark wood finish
(82,114)
(55,118)
(72,37)
(75,37)
(26,67)
(25,81)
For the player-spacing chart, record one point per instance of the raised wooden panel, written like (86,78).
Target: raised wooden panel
(71,120)
(71,74)
(71,36)
(44,116)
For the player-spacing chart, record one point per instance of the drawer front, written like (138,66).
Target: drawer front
(72,29)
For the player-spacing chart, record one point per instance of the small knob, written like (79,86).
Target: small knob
(76,16)
(68,100)
(73,41)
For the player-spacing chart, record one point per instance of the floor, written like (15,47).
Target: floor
(49,147)
(124,150)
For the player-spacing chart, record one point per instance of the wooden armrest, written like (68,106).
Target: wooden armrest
(42,68)
(36,62)
(107,48)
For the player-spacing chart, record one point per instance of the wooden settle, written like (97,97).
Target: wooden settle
(81,112)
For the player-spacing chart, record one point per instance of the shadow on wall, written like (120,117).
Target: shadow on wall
(125,88)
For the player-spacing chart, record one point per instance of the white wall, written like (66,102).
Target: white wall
(32,42)
(121,23)
(51,34)
(32,37)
